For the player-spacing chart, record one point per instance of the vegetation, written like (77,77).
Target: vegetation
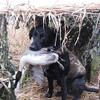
(86,44)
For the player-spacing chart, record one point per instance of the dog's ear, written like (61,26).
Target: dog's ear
(47,20)
(31,33)
(39,20)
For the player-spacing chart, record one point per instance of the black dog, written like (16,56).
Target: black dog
(43,37)
(71,79)
(68,75)
(56,72)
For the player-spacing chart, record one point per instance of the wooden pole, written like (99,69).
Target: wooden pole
(4,60)
(5,65)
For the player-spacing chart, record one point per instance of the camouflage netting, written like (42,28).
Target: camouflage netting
(80,29)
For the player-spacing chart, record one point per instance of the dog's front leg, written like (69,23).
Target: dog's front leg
(50,88)
(63,88)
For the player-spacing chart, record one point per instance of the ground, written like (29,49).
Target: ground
(33,92)
(18,43)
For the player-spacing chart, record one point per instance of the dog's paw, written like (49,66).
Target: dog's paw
(58,94)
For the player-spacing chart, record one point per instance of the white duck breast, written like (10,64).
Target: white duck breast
(41,57)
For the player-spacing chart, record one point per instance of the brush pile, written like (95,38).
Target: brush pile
(80,27)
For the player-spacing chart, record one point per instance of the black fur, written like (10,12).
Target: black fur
(69,84)
(42,37)
(54,72)
(72,79)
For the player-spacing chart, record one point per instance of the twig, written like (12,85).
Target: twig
(2,82)
(80,25)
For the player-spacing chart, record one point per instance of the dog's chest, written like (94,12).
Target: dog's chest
(53,72)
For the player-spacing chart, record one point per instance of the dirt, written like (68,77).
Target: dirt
(33,92)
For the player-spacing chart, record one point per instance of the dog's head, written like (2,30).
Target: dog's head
(42,35)
(41,38)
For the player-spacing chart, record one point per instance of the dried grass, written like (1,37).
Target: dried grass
(18,42)
(22,18)
(18,39)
